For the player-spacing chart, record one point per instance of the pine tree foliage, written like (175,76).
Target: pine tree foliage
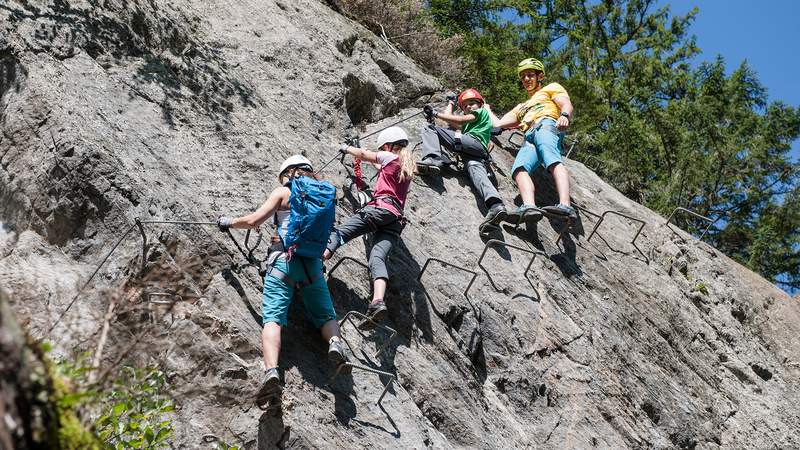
(669,131)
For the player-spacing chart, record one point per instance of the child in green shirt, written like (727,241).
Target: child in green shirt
(472,142)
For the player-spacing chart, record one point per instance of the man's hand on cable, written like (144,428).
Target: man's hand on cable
(452,97)
(224,223)
(343,148)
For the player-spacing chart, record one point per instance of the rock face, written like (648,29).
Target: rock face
(184,110)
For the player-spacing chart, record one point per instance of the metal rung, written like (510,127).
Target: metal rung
(163,294)
(498,242)
(603,216)
(469,286)
(600,163)
(511,139)
(392,377)
(635,236)
(569,152)
(343,259)
(699,216)
(445,263)
(349,316)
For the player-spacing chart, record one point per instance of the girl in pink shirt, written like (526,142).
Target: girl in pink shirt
(384,214)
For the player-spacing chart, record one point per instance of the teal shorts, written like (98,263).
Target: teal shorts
(278,295)
(541,147)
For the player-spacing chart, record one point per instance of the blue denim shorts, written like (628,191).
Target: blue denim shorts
(542,147)
(278,295)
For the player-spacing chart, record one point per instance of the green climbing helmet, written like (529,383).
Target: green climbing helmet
(528,64)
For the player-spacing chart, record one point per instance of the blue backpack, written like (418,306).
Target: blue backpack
(312,213)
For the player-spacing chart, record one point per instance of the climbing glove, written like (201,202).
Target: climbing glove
(343,148)
(224,223)
(429,112)
(452,97)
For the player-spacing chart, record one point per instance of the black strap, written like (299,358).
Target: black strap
(279,274)
(305,269)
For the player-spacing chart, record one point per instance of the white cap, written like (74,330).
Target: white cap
(392,135)
(295,161)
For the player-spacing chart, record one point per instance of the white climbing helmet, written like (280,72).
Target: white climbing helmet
(392,135)
(295,161)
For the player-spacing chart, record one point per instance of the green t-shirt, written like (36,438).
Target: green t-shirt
(481,127)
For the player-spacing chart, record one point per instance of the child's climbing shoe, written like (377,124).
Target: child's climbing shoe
(270,390)
(561,210)
(376,311)
(429,166)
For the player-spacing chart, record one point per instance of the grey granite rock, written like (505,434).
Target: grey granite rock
(185,110)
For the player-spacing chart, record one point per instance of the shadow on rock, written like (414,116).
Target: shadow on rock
(432,182)
(272,433)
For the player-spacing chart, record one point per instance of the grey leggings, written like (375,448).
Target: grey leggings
(370,219)
(472,152)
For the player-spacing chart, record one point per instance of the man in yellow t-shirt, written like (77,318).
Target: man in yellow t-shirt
(543,117)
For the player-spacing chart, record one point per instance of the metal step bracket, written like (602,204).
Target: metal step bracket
(626,216)
(699,216)
(455,266)
(491,242)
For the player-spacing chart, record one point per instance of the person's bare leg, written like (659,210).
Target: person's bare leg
(561,177)
(526,188)
(330,329)
(271,344)
(379,289)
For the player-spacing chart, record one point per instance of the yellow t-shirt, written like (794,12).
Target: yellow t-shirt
(540,105)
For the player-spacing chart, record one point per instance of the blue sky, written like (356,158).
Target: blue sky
(766,34)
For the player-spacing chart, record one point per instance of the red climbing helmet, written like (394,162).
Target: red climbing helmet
(469,94)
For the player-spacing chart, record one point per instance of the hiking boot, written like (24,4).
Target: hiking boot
(270,390)
(524,214)
(336,352)
(496,214)
(561,210)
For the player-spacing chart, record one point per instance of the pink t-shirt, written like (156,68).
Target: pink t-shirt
(389,184)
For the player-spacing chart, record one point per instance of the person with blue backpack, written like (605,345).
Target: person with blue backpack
(304,211)
(382,216)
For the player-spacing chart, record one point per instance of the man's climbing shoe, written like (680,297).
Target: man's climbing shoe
(270,391)
(376,311)
(336,352)
(561,210)
(524,214)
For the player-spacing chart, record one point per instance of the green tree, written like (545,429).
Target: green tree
(669,134)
